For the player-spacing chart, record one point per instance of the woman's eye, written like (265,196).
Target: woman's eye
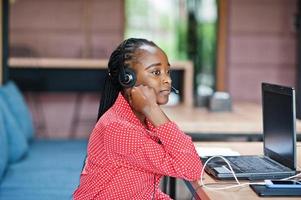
(168,72)
(156,72)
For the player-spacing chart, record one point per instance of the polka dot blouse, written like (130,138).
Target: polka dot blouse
(126,160)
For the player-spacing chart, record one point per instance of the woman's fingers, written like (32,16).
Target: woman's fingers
(140,97)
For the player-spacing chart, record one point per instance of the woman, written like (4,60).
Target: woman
(134,144)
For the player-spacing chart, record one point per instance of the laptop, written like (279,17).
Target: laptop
(279,137)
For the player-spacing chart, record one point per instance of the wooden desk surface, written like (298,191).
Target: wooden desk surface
(245,118)
(246,193)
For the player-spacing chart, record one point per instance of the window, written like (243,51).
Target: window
(184,29)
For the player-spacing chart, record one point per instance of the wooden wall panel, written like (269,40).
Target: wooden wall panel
(222,42)
(66,28)
(262,46)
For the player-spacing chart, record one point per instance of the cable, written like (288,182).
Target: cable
(238,184)
(233,173)
(294,176)
(235,177)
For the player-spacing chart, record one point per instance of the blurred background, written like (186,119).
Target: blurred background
(221,51)
(234,45)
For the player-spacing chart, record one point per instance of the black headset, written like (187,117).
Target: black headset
(127,77)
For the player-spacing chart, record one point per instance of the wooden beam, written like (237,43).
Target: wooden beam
(75,63)
(4,40)
(221,76)
(58,63)
(298,67)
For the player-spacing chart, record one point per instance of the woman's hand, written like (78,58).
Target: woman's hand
(143,100)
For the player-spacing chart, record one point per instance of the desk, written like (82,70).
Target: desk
(244,122)
(246,193)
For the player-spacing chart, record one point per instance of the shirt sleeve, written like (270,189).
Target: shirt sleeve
(174,155)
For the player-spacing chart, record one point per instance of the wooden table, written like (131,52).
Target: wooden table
(243,123)
(246,193)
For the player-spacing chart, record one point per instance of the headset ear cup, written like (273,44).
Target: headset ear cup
(128,79)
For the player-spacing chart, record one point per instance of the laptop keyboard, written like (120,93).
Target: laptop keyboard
(254,164)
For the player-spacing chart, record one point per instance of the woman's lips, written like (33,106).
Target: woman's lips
(165,92)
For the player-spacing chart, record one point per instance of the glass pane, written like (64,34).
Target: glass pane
(184,29)
(155,20)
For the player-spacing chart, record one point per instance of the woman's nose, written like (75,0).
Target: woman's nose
(167,78)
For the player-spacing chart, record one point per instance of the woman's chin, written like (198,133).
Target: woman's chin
(162,101)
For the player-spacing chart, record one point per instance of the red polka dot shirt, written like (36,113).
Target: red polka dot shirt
(126,160)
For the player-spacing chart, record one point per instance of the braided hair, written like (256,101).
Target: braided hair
(119,60)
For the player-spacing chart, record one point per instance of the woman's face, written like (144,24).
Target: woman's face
(153,69)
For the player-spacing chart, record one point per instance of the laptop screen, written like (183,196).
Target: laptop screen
(279,123)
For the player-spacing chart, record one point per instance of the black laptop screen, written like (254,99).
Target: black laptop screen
(279,124)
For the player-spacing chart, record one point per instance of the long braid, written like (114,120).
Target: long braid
(118,61)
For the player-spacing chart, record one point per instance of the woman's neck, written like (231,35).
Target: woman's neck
(139,115)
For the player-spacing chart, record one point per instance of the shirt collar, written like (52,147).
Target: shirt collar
(123,109)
